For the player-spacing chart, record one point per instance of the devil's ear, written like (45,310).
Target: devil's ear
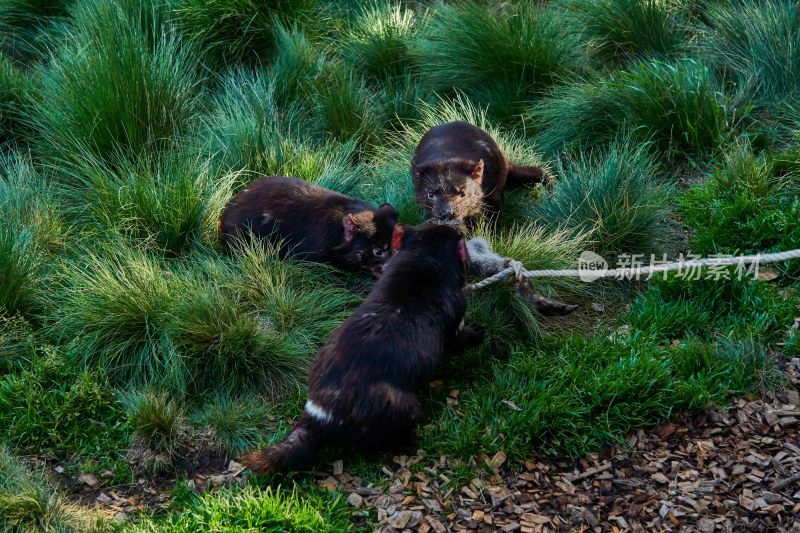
(397,236)
(390,210)
(477,172)
(416,171)
(350,227)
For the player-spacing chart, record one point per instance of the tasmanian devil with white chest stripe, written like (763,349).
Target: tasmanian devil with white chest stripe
(361,389)
(458,171)
(311,222)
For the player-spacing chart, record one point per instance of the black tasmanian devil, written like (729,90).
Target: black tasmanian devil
(361,389)
(311,222)
(458,169)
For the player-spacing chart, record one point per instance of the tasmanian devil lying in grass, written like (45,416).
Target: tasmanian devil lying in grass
(362,382)
(311,222)
(458,170)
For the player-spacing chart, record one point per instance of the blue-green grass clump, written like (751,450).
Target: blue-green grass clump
(25,25)
(171,201)
(680,107)
(379,41)
(13,87)
(249,324)
(30,229)
(239,31)
(757,45)
(621,30)
(121,81)
(614,195)
(502,56)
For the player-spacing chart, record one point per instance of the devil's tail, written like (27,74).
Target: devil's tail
(289,454)
(520,175)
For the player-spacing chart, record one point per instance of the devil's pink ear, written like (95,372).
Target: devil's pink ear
(477,172)
(397,236)
(462,251)
(350,227)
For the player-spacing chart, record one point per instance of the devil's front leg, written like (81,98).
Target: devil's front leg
(467,336)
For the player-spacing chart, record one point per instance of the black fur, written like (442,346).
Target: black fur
(458,171)
(366,375)
(311,222)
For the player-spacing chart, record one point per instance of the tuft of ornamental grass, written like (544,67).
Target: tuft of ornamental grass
(621,30)
(29,504)
(238,423)
(161,429)
(270,509)
(501,56)
(13,87)
(111,309)
(121,80)
(379,41)
(170,200)
(23,25)
(238,31)
(347,106)
(756,43)
(613,195)
(247,130)
(391,166)
(251,323)
(226,343)
(29,229)
(509,320)
(745,206)
(680,107)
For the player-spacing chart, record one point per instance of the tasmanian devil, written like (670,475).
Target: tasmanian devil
(458,170)
(311,222)
(362,382)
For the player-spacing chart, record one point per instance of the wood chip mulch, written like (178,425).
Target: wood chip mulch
(722,471)
(732,470)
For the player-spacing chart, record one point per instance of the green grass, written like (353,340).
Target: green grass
(240,510)
(500,56)
(48,405)
(680,106)
(745,206)
(621,30)
(28,504)
(132,340)
(29,229)
(379,42)
(120,81)
(615,196)
(239,30)
(572,394)
(756,44)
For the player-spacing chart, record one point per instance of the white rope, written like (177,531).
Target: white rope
(517,271)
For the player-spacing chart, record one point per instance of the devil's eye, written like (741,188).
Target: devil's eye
(462,193)
(430,195)
(377,252)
